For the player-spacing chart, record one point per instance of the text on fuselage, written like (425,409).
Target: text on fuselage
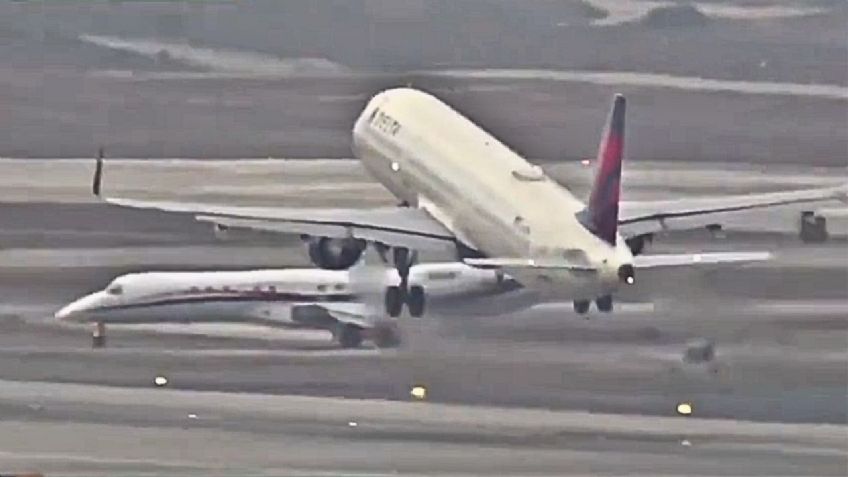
(384,123)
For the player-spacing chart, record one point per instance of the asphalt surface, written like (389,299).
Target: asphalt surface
(271,78)
(508,394)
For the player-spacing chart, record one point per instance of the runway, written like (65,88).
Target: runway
(540,392)
(164,432)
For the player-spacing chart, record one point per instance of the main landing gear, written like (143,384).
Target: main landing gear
(581,307)
(604,304)
(396,296)
(348,336)
(383,334)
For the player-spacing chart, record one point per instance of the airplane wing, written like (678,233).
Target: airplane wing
(399,226)
(643,217)
(396,226)
(640,261)
(316,315)
(689,259)
(508,263)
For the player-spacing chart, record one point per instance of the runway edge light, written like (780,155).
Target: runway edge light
(418,392)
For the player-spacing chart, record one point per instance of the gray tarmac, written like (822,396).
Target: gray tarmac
(273,78)
(540,392)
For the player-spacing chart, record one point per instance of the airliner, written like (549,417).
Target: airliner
(461,189)
(333,300)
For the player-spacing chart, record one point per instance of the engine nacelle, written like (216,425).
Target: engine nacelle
(335,253)
(637,243)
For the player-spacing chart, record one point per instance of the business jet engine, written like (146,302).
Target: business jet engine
(335,253)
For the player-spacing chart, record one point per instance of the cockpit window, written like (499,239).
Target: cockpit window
(115,289)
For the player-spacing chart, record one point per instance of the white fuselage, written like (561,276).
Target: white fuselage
(262,296)
(492,199)
(282,298)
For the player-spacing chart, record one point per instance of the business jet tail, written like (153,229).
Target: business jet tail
(601,214)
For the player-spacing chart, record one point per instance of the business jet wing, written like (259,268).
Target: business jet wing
(358,314)
(643,217)
(317,315)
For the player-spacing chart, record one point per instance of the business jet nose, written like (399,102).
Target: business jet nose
(627,274)
(76,311)
(66,312)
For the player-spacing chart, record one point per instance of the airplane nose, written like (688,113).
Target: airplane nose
(65,313)
(627,274)
(76,311)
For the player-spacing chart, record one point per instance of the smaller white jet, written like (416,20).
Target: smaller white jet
(334,300)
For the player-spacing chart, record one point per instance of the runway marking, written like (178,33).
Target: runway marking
(621,307)
(205,353)
(648,80)
(91,459)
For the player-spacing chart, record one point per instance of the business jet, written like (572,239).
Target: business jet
(335,300)
(461,189)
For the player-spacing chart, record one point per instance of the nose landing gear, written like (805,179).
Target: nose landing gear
(98,335)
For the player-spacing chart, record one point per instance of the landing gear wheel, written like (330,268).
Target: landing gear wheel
(386,335)
(98,336)
(604,303)
(394,301)
(349,336)
(416,300)
(581,306)
(813,228)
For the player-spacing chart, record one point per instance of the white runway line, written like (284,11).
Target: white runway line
(207,256)
(621,307)
(305,355)
(649,80)
(226,61)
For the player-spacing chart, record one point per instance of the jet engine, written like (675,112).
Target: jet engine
(637,243)
(335,253)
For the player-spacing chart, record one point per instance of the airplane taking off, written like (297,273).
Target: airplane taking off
(463,190)
(334,300)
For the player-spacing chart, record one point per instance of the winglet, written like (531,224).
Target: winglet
(98,173)
(602,210)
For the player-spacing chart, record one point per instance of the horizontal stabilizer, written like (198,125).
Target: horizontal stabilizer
(515,263)
(690,259)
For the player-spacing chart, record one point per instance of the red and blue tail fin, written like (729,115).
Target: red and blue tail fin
(602,210)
